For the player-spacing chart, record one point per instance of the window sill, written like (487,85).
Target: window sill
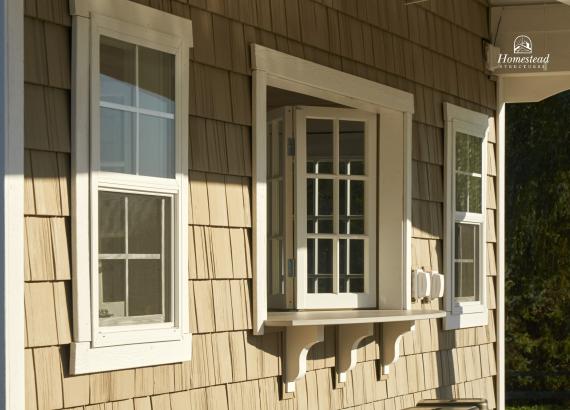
(343,317)
(87,359)
(304,329)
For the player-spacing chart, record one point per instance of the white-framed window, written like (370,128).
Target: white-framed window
(466,176)
(130,186)
(334,179)
(331,191)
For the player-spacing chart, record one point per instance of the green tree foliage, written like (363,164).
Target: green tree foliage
(538,245)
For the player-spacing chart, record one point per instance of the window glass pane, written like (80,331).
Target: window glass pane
(320,265)
(117,75)
(112,289)
(462,152)
(156,147)
(319,146)
(319,205)
(351,206)
(351,269)
(356,253)
(461,192)
(156,80)
(475,190)
(475,151)
(468,190)
(135,258)
(148,216)
(117,141)
(467,261)
(351,151)
(111,223)
(145,289)
(132,142)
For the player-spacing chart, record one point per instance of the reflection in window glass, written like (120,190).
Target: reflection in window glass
(137,109)
(468,178)
(135,258)
(117,141)
(156,146)
(118,71)
(156,80)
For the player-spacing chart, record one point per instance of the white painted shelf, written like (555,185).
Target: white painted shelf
(344,317)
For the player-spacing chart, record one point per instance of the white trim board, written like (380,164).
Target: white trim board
(12,390)
(303,75)
(395,107)
(464,314)
(145,16)
(97,348)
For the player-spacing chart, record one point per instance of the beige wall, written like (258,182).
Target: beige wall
(433,50)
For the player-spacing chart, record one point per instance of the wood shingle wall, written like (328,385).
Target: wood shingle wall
(433,50)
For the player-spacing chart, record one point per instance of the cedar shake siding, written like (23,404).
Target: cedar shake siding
(432,50)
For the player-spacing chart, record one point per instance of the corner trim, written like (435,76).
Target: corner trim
(12,362)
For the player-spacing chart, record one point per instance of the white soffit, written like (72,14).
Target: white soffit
(547,24)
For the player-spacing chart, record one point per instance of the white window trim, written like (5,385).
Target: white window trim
(12,364)
(92,349)
(276,69)
(474,313)
(367,299)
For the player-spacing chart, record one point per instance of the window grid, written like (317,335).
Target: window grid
(336,236)
(126,256)
(466,218)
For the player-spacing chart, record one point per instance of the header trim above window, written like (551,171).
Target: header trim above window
(334,85)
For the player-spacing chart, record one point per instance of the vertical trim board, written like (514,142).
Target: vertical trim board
(12,395)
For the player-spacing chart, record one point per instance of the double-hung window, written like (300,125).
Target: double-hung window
(466,142)
(130,186)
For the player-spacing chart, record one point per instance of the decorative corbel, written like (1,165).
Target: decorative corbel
(298,341)
(392,333)
(347,340)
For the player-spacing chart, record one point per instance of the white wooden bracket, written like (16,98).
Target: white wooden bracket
(392,333)
(298,341)
(348,338)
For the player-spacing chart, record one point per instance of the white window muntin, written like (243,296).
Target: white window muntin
(473,218)
(129,183)
(336,299)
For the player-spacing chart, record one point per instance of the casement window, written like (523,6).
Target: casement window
(331,191)
(130,181)
(334,178)
(466,176)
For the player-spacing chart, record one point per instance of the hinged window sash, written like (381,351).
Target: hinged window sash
(321,231)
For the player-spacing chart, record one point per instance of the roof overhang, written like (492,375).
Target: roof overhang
(541,70)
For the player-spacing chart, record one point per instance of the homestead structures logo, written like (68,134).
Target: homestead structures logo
(522,45)
(523,57)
